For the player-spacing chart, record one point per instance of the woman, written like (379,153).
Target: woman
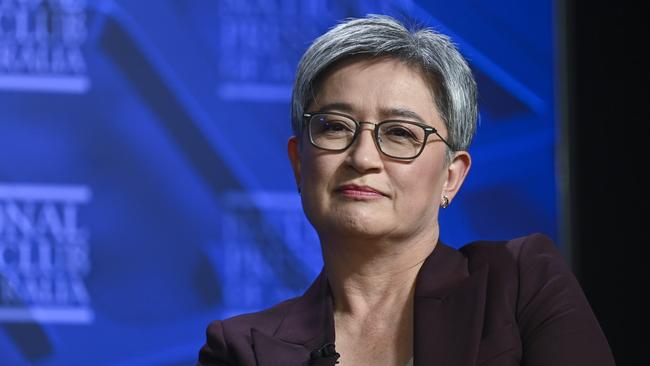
(382,119)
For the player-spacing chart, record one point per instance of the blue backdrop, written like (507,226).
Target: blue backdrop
(144,185)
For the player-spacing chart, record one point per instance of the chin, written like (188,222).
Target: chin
(351,218)
(358,225)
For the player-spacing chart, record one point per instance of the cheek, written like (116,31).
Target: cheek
(317,171)
(308,168)
(420,185)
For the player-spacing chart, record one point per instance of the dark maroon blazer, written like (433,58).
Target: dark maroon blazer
(489,303)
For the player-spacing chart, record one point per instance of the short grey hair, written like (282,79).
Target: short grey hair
(433,53)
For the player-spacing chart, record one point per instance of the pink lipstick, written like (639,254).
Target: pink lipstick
(359,192)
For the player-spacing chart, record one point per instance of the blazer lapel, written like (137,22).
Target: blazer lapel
(271,351)
(448,309)
(306,327)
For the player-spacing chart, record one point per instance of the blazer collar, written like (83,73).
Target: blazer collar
(450,294)
(443,270)
(310,320)
(448,319)
(307,326)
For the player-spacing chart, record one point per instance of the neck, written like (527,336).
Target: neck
(368,275)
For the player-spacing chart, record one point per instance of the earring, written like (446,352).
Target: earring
(445,202)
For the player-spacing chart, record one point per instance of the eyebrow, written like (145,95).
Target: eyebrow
(388,112)
(402,112)
(337,106)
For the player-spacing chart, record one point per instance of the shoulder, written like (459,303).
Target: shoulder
(266,320)
(228,341)
(530,262)
(553,317)
(519,249)
(516,268)
(526,255)
(534,259)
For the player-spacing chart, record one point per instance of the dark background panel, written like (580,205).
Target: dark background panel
(604,114)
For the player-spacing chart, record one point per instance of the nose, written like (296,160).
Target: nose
(364,154)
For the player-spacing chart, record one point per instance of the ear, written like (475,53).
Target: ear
(293,150)
(456,172)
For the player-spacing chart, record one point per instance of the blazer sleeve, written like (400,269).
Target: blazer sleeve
(215,350)
(556,323)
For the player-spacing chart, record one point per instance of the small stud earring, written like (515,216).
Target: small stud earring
(445,202)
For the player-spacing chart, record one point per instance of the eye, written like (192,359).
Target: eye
(399,132)
(332,126)
(335,126)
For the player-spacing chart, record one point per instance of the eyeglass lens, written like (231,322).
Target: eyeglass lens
(400,139)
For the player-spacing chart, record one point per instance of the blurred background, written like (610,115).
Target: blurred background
(144,184)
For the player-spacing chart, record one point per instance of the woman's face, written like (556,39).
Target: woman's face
(360,191)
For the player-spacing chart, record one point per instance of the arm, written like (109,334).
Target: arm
(556,323)
(215,350)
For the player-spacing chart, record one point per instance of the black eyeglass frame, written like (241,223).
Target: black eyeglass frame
(428,130)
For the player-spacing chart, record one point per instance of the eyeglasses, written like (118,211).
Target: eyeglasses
(397,139)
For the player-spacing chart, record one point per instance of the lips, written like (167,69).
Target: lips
(359,191)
